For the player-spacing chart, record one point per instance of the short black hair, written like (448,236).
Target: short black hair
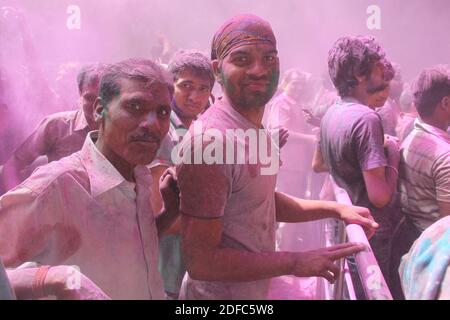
(430,87)
(136,69)
(194,61)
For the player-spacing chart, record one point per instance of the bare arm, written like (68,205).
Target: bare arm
(302,137)
(170,202)
(58,281)
(291,209)
(381,182)
(205,260)
(444,208)
(156,199)
(318,164)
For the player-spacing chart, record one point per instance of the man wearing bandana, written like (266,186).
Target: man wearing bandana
(229,211)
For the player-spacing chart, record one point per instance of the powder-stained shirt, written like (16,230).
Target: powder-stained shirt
(425,270)
(351,141)
(57,136)
(80,211)
(238,194)
(424,174)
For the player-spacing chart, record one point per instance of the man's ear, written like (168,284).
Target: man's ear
(99,110)
(217,71)
(446,103)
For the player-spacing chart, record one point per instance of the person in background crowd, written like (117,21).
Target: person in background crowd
(424,182)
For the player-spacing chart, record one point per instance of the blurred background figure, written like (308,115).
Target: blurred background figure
(64,90)
(59,134)
(408,114)
(390,111)
(162,50)
(286,111)
(325,97)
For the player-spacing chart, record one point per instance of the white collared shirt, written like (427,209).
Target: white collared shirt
(81,211)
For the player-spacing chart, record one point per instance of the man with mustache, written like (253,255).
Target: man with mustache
(92,209)
(352,144)
(229,211)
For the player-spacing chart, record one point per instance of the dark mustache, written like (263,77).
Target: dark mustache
(252,78)
(147,137)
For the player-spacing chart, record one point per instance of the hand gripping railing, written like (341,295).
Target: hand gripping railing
(372,280)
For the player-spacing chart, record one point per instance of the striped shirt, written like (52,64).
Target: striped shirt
(424,174)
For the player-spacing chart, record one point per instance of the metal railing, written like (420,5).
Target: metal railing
(372,280)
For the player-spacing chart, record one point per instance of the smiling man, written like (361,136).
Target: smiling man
(229,211)
(92,209)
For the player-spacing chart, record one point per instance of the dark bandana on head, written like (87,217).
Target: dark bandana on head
(239,31)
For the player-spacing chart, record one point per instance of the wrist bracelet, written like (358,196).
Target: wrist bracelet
(37,286)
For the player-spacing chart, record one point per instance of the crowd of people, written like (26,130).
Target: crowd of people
(124,187)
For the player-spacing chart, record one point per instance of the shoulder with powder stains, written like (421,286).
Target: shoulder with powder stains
(69,167)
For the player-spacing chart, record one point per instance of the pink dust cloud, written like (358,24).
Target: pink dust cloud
(414,34)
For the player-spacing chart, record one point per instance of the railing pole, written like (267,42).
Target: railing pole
(372,280)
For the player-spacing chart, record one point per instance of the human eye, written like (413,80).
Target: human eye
(134,107)
(186,86)
(204,89)
(163,112)
(271,58)
(240,60)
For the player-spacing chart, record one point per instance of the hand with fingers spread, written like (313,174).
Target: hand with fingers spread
(320,263)
(358,215)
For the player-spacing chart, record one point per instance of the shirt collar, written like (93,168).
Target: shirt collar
(441,134)
(103,176)
(80,120)
(176,121)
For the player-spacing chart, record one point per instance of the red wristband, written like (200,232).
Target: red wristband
(37,286)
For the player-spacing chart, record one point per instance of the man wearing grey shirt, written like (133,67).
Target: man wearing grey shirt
(229,209)
(352,144)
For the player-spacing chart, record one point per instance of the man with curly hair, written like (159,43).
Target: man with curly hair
(352,142)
